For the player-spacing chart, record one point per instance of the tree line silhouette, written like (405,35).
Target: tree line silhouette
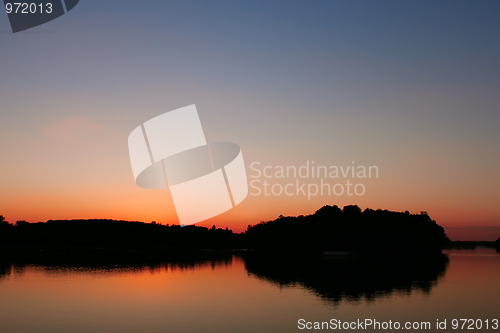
(329,230)
(105,240)
(369,232)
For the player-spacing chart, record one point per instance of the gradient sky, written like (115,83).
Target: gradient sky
(409,86)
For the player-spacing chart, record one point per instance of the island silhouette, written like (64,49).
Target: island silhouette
(350,230)
(330,231)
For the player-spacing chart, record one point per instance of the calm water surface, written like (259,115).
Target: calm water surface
(244,294)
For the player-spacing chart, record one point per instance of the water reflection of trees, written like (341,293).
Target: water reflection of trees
(347,279)
(335,280)
(184,263)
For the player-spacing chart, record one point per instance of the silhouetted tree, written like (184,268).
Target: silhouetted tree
(5,234)
(352,210)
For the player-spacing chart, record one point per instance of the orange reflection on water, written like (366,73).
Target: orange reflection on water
(221,296)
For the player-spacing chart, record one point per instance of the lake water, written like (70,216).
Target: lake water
(240,294)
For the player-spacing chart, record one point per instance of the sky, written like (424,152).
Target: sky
(410,87)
